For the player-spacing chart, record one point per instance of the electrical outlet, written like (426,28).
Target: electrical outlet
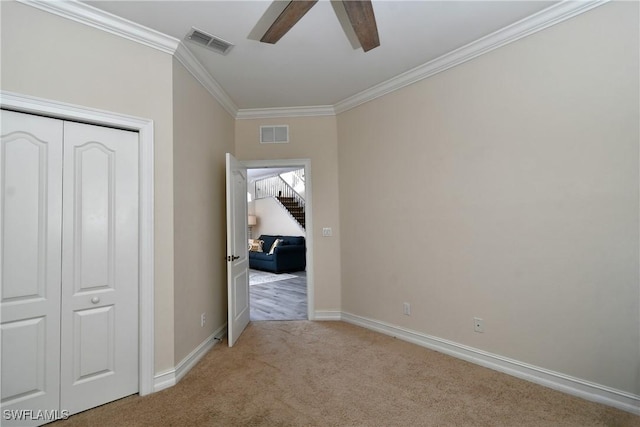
(406,307)
(203,319)
(327,232)
(478,324)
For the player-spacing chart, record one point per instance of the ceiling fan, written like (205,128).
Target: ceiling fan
(360,15)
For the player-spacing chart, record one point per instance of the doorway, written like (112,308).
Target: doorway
(282,296)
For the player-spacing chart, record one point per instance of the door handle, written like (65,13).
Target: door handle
(232,258)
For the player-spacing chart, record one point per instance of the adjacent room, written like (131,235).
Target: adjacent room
(277,277)
(434,216)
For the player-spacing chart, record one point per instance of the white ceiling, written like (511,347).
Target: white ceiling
(315,63)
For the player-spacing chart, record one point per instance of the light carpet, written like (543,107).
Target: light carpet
(303,373)
(257,277)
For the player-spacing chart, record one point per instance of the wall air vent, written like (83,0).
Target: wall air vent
(213,43)
(274,134)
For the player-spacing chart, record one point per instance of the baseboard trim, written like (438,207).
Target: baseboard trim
(194,357)
(171,377)
(555,380)
(327,315)
(164,380)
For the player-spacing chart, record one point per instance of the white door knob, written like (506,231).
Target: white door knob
(95,300)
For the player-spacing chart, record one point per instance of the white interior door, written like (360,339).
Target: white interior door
(31,223)
(237,252)
(99,266)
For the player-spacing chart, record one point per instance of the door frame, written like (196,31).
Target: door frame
(308,217)
(144,127)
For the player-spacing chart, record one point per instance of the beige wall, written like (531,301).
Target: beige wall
(54,58)
(506,188)
(274,219)
(202,134)
(314,138)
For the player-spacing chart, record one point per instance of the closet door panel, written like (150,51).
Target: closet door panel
(100,266)
(30,231)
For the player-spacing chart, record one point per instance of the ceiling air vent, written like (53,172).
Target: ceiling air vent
(274,134)
(213,43)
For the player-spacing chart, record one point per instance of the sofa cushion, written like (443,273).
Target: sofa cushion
(268,241)
(263,256)
(293,240)
(255,245)
(276,243)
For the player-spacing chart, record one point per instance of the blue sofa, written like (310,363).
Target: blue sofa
(289,256)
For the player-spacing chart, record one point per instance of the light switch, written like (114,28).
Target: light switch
(327,232)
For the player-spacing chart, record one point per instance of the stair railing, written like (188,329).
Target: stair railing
(300,174)
(295,179)
(276,187)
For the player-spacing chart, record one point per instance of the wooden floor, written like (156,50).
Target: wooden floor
(281,300)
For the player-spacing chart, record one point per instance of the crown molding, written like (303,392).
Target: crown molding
(105,21)
(89,15)
(545,18)
(191,63)
(276,112)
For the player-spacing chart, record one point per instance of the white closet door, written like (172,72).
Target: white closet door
(99,266)
(31,221)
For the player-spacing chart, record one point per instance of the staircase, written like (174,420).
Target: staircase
(284,193)
(295,209)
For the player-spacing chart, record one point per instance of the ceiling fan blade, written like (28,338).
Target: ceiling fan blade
(287,19)
(363,21)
